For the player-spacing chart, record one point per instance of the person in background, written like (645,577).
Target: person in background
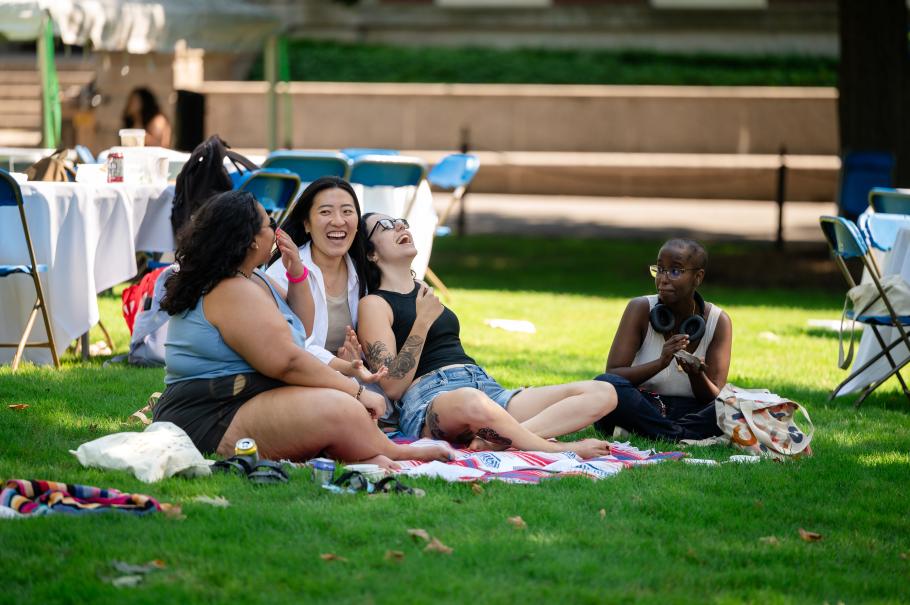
(142,111)
(671,353)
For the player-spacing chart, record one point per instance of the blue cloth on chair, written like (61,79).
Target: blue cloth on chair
(25,269)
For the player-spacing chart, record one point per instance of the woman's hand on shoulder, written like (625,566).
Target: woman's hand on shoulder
(429,307)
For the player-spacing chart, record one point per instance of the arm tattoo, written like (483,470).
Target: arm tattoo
(406,360)
(492,436)
(378,355)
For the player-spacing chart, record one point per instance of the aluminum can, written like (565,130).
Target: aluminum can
(246,447)
(115,167)
(323,470)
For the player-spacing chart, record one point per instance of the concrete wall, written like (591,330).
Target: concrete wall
(637,119)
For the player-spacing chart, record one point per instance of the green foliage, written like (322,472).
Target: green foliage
(672,533)
(342,62)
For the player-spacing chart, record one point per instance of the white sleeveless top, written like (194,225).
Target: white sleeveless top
(671,380)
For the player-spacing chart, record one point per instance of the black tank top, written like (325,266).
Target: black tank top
(443,345)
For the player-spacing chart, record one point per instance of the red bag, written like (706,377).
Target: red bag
(134,298)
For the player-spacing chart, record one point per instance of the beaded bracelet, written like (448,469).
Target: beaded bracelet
(297,280)
(359,392)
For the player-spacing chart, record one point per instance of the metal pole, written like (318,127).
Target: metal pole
(462,213)
(781,196)
(270,64)
(284,75)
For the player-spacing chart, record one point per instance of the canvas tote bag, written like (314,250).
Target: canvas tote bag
(865,300)
(762,423)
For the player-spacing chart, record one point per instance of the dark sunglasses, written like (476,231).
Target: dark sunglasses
(388,224)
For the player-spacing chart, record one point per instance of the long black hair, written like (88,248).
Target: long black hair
(293,224)
(371,271)
(148,108)
(211,247)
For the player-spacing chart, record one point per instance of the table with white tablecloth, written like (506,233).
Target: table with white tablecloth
(87,235)
(894,262)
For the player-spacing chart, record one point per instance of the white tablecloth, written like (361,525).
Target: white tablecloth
(894,262)
(88,236)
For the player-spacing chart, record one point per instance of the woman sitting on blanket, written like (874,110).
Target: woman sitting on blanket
(671,353)
(444,394)
(236,366)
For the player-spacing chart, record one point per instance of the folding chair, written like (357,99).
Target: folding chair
(882,229)
(373,170)
(860,172)
(11,195)
(310,165)
(847,242)
(274,188)
(84,155)
(890,201)
(453,173)
(355,152)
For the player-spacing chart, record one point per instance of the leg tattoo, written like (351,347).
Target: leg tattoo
(488,434)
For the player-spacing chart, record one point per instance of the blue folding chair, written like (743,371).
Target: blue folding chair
(355,152)
(390,171)
(846,242)
(11,195)
(453,173)
(274,188)
(882,229)
(890,201)
(860,172)
(84,155)
(310,165)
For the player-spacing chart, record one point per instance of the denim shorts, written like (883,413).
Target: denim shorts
(420,395)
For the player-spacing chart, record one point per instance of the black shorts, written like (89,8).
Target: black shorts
(204,408)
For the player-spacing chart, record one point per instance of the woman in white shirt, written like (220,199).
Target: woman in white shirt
(324,223)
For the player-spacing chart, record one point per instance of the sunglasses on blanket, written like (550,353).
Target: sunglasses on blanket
(388,224)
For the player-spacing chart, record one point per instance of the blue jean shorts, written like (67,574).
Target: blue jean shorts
(417,399)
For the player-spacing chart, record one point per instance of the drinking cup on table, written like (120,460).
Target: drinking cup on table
(132,137)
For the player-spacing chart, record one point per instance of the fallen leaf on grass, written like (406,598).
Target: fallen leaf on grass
(477,488)
(419,533)
(17,406)
(772,540)
(172,511)
(603,513)
(905,555)
(127,581)
(216,501)
(692,555)
(394,555)
(330,556)
(128,568)
(809,536)
(518,522)
(436,546)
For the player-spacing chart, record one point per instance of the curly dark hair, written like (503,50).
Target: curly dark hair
(211,247)
(292,224)
(148,108)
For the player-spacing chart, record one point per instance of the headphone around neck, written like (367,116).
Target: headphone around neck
(663,320)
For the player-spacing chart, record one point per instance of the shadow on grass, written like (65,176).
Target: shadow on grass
(746,273)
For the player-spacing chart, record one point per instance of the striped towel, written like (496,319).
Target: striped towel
(45,497)
(531,467)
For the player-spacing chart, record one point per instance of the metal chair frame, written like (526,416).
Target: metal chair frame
(33,269)
(264,173)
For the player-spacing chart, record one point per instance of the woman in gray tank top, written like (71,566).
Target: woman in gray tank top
(223,310)
(443,393)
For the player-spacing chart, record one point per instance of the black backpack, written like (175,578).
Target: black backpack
(203,176)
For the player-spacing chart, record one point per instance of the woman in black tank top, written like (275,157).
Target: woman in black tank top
(444,394)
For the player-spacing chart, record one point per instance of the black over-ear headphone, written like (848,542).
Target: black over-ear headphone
(663,321)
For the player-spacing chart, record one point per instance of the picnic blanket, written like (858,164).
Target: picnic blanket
(34,498)
(530,467)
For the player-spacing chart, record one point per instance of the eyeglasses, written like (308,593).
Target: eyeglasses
(673,273)
(388,224)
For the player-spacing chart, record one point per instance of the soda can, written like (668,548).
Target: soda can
(323,470)
(246,447)
(115,167)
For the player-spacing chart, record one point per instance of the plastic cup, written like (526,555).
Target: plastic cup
(132,137)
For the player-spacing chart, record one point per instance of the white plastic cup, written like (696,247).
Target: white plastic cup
(132,137)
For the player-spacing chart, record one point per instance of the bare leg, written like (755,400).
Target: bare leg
(298,422)
(564,408)
(461,412)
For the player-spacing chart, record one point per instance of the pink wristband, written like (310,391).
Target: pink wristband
(297,280)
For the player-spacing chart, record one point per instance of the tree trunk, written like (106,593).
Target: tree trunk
(874,81)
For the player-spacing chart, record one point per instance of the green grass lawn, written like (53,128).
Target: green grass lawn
(672,533)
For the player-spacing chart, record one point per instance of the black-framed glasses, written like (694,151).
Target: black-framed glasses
(388,224)
(672,273)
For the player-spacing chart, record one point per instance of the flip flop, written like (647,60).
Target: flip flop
(240,465)
(353,481)
(268,471)
(391,485)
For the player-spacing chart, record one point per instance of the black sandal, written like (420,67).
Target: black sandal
(354,481)
(268,471)
(240,465)
(391,485)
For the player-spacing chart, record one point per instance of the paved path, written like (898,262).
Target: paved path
(639,218)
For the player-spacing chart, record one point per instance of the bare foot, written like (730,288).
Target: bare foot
(426,453)
(588,448)
(383,462)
